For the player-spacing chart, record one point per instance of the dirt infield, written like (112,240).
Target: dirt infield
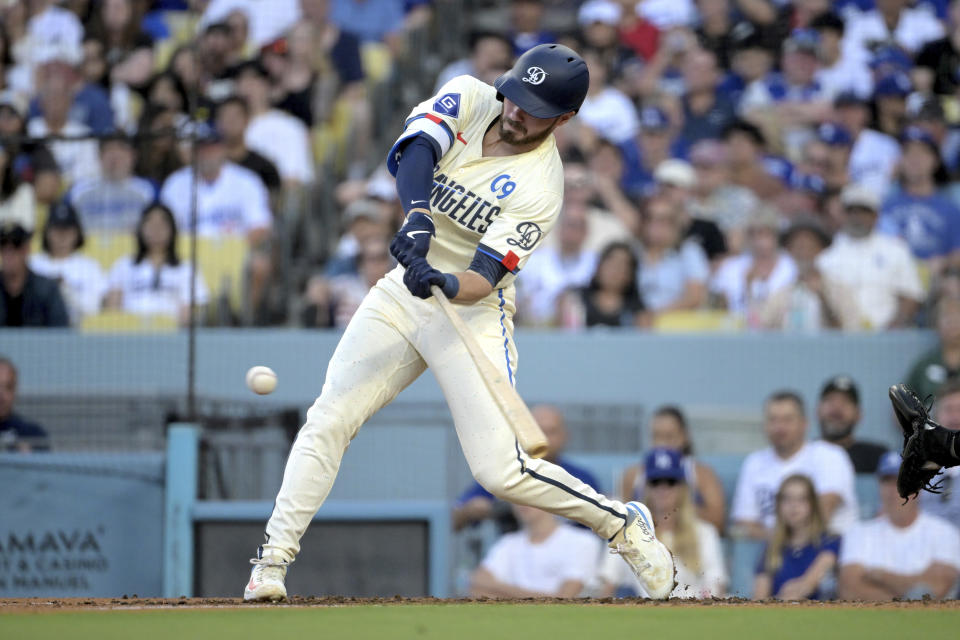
(41,605)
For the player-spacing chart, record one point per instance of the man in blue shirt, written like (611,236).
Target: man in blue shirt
(476,503)
(928,222)
(16,434)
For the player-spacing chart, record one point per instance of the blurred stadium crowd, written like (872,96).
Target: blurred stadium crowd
(738,164)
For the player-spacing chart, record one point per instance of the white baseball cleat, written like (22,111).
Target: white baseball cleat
(266,581)
(648,558)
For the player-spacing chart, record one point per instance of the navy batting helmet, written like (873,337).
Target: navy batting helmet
(547,81)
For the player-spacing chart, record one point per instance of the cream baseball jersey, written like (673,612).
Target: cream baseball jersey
(502,206)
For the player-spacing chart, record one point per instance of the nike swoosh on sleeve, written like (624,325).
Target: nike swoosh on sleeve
(412,234)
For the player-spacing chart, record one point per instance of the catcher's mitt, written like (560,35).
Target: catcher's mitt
(918,469)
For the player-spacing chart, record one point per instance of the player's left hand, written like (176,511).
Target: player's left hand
(419,276)
(412,241)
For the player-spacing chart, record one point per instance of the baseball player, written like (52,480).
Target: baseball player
(480,179)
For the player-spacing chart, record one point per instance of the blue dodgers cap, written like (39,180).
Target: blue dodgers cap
(889,464)
(654,119)
(893,84)
(547,81)
(914,133)
(807,40)
(834,134)
(662,463)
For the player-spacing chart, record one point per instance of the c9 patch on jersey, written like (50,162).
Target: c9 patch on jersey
(448,104)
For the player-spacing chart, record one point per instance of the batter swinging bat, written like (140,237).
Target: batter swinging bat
(518,416)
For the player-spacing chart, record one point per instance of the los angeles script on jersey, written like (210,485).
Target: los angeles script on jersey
(460,204)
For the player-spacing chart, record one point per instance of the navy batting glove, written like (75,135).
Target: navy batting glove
(419,276)
(413,239)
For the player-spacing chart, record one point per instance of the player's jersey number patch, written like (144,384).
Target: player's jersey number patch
(448,104)
(529,236)
(503,186)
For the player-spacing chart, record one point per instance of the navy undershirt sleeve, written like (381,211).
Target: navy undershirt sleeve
(418,156)
(488,267)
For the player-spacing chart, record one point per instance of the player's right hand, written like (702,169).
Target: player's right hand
(412,241)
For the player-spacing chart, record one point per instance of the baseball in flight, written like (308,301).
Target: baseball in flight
(261,380)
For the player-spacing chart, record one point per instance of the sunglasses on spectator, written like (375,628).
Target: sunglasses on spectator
(663,482)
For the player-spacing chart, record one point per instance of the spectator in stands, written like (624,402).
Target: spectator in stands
(611,216)
(831,151)
(82,282)
(165,90)
(275,134)
(600,31)
(744,283)
(364,221)
(647,151)
(874,155)
(606,112)
(877,268)
(917,213)
(707,110)
(801,554)
(669,430)
(673,271)
(547,557)
(490,56)
(48,27)
(332,302)
(695,543)
(903,553)
(26,299)
(751,60)
(890,101)
(611,298)
(526,17)
(715,31)
(155,281)
(16,433)
(838,414)
(946,504)
(17,201)
(232,119)
(891,21)
(746,146)
(716,198)
(942,363)
(785,425)
(157,156)
(32,162)
(373,21)
(113,201)
(938,60)
(812,301)
(476,504)
(128,49)
(556,268)
(838,73)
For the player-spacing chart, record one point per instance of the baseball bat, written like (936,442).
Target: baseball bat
(518,416)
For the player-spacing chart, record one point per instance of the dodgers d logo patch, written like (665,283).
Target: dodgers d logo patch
(448,104)
(529,236)
(535,75)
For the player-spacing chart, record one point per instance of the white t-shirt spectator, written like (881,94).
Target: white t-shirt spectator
(268,19)
(236,203)
(877,544)
(731,281)
(283,140)
(662,284)
(106,205)
(666,14)
(847,74)
(547,275)
(915,28)
(827,465)
(611,114)
(82,281)
(568,554)
(77,159)
(708,582)
(873,159)
(877,269)
(149,291)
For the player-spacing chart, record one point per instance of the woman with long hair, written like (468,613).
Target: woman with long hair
(611,298)
(669,429)
(800,553)
(154,281)
(695,543)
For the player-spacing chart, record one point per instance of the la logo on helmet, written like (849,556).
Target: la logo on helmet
(535,75)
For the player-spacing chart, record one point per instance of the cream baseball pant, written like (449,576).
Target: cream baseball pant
(392,339)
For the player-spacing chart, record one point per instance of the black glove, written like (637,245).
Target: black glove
(412,241)
(419,275)
(926,444)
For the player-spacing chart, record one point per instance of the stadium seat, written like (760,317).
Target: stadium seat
(696,321)
(221,262)
(122,321)
(106,247)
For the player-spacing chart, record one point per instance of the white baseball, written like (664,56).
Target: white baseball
(261,380)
